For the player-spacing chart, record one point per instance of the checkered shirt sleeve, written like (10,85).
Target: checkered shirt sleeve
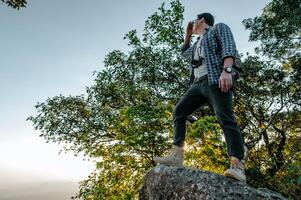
(225,36)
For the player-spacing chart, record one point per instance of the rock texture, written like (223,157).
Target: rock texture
(165,182)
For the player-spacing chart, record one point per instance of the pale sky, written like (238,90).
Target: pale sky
(52,47)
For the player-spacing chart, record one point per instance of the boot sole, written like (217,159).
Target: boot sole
(235,177)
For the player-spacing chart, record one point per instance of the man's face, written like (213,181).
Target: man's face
(197,24)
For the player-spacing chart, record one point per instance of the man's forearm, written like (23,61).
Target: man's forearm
(187,39)
(228,62)
(186,42)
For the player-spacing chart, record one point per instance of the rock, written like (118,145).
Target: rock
(183,183)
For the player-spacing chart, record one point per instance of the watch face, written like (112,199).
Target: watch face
(228,69)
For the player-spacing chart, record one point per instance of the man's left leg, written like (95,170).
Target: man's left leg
(222,103)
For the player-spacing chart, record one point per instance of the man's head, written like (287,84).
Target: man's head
(202,21)
(208,18)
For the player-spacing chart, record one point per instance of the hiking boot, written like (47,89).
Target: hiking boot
(237,169)
(174,159)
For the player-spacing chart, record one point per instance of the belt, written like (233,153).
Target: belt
(198,79)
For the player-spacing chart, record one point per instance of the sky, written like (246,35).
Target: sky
(52,47)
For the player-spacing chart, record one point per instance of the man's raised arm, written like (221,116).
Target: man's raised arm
(186,50)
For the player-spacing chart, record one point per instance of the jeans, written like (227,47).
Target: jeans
(222,102)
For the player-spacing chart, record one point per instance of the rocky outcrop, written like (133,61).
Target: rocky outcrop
(183,183)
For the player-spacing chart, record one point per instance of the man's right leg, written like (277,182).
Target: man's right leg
(189,102)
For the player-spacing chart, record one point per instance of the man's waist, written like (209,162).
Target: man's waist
(201,78)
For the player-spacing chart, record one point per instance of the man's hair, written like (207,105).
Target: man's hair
(207,17)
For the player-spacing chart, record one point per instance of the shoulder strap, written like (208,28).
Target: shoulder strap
(193,49)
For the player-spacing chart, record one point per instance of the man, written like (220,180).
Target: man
(212,57)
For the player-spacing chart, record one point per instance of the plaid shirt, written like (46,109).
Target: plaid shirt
(218,43)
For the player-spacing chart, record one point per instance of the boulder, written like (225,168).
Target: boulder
(184,183)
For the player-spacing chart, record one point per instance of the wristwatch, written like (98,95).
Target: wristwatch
(228,69)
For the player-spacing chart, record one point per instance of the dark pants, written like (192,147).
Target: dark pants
(222,102)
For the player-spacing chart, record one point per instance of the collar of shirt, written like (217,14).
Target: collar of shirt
(206,29)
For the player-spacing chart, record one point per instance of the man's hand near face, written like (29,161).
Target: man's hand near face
(189,29)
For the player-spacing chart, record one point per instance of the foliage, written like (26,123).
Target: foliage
(278,29)
(125,119)
(272,97)
(17,4)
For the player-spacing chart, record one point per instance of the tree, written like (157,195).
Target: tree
(278,29)
(271,96)
(17,4)
(269,118)
(124,120)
